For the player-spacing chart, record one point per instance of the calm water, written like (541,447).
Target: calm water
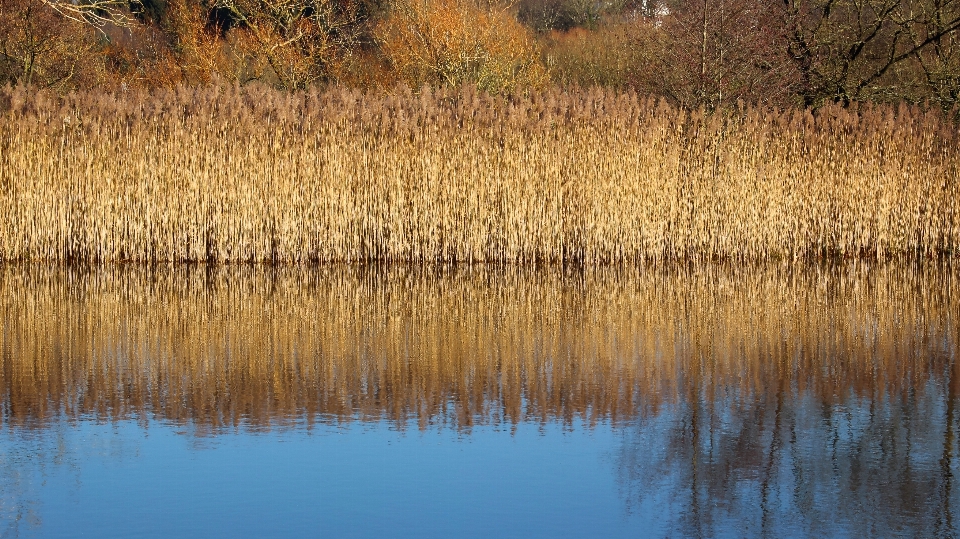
(779,401)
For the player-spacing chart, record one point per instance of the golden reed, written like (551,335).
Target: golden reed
(227,175)
(227,346)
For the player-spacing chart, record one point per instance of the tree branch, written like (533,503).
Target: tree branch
(97,13)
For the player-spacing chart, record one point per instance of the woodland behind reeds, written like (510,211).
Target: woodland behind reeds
(232,346)
(256,175)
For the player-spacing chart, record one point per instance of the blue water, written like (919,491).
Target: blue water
(88,479)
(771,402)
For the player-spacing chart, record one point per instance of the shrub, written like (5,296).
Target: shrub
(617,54)
(39,47)
(456,42)
(545,15)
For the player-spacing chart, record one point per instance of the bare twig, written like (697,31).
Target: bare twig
(97,13)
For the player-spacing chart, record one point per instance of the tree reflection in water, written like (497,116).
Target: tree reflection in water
(772,400)
(849,431)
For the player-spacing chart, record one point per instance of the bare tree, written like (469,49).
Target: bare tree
(38,47)
(722,51)
(98,13)
(301,40)
(850,50)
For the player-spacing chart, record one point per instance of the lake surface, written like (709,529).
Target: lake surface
(693,401)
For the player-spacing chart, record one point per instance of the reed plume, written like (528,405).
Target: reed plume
(255,175)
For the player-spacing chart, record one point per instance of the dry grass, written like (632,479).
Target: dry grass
(226,175)
(230,345)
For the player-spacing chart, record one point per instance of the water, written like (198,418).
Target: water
(711,401)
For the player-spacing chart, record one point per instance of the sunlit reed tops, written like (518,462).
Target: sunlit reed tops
(227,175)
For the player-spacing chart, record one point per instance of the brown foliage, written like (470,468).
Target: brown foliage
(39,47)
(719,52)
(695,53)
(883,50)
(618,54)
(300,42)
(457,42)
(564,15)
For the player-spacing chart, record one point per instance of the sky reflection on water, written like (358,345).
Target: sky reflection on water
(781,401)
(371,480)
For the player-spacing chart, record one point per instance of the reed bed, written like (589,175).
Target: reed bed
(230,346)
(592,177)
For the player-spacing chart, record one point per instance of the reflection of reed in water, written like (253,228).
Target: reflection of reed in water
(847,428)
(253,347)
